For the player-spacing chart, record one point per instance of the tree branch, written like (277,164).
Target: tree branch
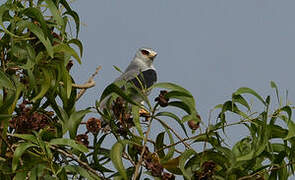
(90,83)
(77,160)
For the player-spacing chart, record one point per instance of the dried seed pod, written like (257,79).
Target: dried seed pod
(93,125)
(70,65)
(161,99)
(168,176)
(193,124)
(82,139)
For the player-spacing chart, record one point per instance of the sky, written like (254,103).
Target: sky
(209,47)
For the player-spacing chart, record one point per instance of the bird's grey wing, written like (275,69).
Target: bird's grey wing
(127,75)
(146,79)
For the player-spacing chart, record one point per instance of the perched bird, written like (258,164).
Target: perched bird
(140,72)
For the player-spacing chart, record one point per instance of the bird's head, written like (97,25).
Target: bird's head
(146,56)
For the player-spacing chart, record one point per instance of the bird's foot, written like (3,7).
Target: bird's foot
(144,113)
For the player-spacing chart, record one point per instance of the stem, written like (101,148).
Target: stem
(174,132)
(77,160)
(143,150)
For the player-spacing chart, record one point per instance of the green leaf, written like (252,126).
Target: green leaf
(27,137)
(5,117)
(21,175)
(136,120)
(75,120)
(171,150)
(76,18)
(118,69)
(55,12)
(181,105)
(116,157)
(171,86)
(19,89)
(6,82)
(160,144)
(81,171)
(184,95)
(7,104)
(3,9)
(78,43)
(291,130)
(177,94)
(236,98)
(277,131)
(72,13)
(69,142)
(37,172)
(290,123)
(172,166)
(243,147)
(19,152)
(113,88)
(173,116)
(67,80)
(183,158)
(39,33)
(65,48)
(245,90)
(273,85)
(36,14)
(45,85)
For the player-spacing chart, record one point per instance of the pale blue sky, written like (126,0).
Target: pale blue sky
(210,47)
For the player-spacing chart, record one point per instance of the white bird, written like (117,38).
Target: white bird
(140,72)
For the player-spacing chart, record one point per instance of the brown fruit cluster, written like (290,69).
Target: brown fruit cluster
(119,109)
(153,165)
(93,125)
(207,171)
(168,176)
(194,125)
(70,65)
(161,99)
(27,121)
(122,115)
(82,139)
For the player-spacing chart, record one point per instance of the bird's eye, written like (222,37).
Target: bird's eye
(145,52)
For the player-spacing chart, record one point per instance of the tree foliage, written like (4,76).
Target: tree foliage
(39,121)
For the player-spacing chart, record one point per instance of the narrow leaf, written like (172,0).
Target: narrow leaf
(136,120)
(183,158)
(65,48)
(116,157)
(245,90)
(69,142)
(19,152)
(55,12)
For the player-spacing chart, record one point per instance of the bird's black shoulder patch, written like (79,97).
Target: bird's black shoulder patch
(147,79)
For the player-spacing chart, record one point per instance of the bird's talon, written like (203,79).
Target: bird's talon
(144,113)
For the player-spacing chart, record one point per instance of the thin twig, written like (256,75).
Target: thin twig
(126,156)
(265,171)
(77,160)
(174,132)
(142,151)
(84,86)
(89,82)
(207,132)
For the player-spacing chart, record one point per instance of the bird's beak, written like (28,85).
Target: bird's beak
(152,55)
